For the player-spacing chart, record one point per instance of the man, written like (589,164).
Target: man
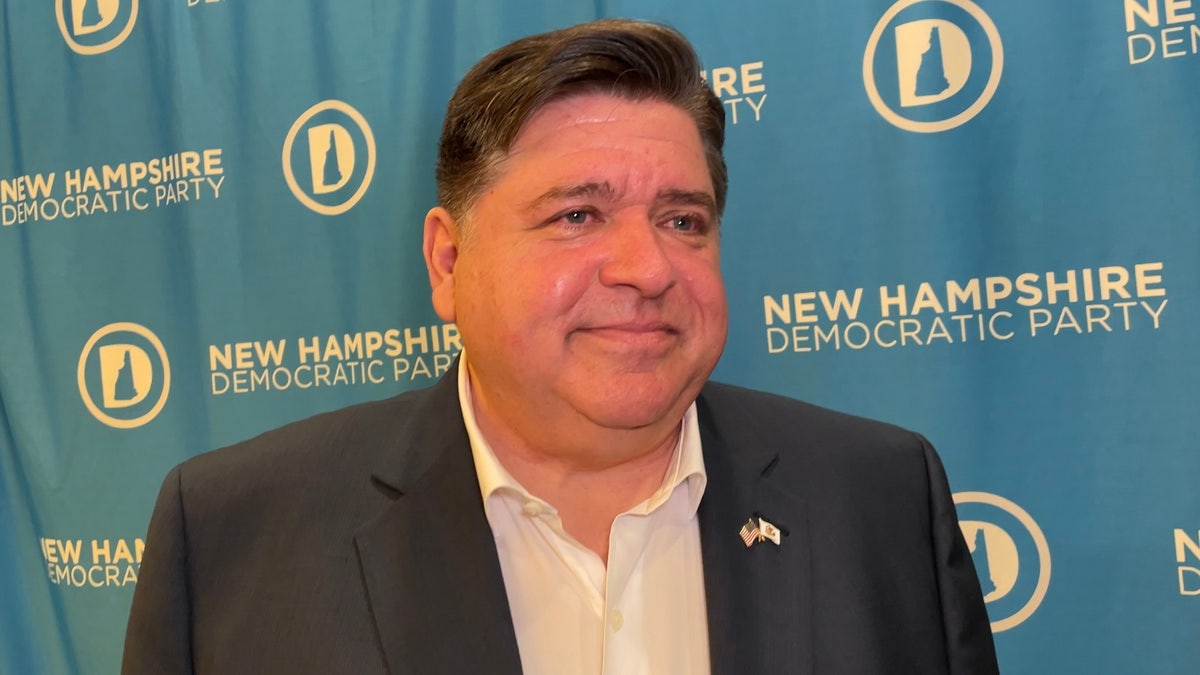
(574,497)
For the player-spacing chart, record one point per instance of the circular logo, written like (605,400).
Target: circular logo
(95,26)
(932,65)
(1011,556)
(329,157)
(124,376)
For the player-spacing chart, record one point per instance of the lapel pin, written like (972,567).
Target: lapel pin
(750,533)
(759,529)
(768,531)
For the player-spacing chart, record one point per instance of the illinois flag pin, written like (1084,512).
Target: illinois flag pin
(767,531)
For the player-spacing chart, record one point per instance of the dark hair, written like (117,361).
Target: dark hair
(636,60)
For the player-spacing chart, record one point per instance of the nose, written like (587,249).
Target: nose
(637,257)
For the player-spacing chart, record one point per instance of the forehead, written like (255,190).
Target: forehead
(601,137)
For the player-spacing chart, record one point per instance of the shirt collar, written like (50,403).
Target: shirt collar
(687,462)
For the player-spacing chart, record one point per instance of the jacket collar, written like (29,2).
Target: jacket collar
(428,560)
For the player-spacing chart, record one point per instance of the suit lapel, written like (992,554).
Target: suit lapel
(759,597)
(429,560)
(436,591)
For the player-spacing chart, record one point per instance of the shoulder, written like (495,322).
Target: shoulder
(323,462)
(347,435)
(821,450)
(730,408)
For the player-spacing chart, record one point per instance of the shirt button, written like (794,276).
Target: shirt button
(615,620)
(531,509)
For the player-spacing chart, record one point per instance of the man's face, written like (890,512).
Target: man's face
(589,290)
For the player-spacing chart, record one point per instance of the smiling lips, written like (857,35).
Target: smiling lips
(637,334)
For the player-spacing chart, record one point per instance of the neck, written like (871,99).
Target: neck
(590,482)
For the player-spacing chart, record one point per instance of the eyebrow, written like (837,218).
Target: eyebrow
(688,198)
(604,191)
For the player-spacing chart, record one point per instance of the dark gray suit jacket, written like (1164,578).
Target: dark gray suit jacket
(356,542)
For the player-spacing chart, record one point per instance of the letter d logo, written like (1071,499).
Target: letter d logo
(329,157)
(95,26)
(124,376)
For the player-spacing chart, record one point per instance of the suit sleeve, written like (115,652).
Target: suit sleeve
(965,623)
(158,637)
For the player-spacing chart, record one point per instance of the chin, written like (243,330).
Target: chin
(634,411)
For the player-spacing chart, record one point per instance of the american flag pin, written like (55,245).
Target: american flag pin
(750,533)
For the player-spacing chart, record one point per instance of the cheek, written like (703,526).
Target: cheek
(535,292)
(706,286)
(557,279)
(565,289)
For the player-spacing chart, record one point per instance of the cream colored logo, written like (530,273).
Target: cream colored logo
(95,26)
(124,376)
(329,157)
(1187,550)
(932,65)
(1011,556)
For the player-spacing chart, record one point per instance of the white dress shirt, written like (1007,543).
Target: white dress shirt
(644,613)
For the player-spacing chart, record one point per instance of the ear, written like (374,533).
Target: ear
(441,254)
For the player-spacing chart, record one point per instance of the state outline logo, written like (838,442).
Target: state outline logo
(141,376)
(339,161)
(962,60)
(89,17)
(1007,576)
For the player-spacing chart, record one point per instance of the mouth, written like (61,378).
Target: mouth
(633,334)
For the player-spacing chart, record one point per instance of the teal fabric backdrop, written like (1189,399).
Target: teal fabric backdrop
(975,218)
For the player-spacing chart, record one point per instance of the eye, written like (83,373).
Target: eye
(576,217)
(683,223)
(686,223)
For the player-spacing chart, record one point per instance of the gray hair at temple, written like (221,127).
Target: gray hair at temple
(636,60)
